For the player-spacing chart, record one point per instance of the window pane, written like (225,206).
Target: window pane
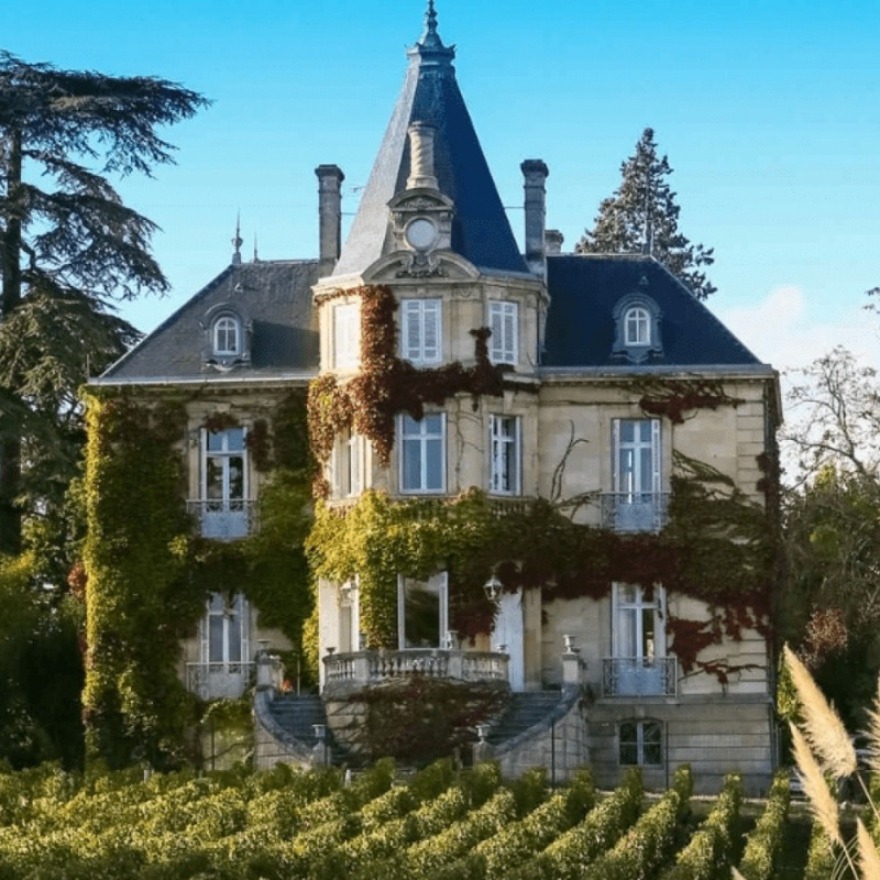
(647,633)
(434,464)
(214,478)
(234,630)
(421,615)
(412,464)
(236,478)
(215,638)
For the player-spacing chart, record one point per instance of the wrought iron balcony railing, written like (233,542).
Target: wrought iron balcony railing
(224,520)
(635,511)
(639,677)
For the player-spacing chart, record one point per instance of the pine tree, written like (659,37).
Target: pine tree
(70,251)
(642,217)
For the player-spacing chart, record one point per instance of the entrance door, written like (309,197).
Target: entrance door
(509,631)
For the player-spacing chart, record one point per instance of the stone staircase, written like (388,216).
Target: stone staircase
(524,711)
(297,715)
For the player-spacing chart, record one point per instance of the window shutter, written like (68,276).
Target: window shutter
(656,463)
(431,338)
(615,456)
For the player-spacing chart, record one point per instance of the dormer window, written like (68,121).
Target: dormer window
(227,339)
(227,336)
(637,328)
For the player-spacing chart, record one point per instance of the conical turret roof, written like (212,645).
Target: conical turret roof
(481,232)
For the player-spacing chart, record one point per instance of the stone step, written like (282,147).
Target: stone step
(524,711)
(298,714)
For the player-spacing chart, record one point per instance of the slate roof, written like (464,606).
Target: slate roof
(275,296)
(480,230)
(584,290)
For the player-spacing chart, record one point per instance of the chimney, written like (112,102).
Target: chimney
(421,156)
(534,176)
(553,239)
(330,179)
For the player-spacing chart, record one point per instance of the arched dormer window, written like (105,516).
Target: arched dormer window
(226,336)
(637,328)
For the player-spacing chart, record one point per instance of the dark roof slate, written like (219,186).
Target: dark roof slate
(584,290)
(480,229)
(275,296)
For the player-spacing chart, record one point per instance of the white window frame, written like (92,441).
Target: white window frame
(223,456)
(226,326)
(500,481)
(425,438)
(637,607)
(420,319)
(233,614)
(440,583)
(640,742)
(346,332)
(637,326)
(348,465)
(628,482)
(504,324)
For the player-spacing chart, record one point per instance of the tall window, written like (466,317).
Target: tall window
(422,620)
(638,503)
(224,472)
(637,327)
(223,501)
(638,623)
(348,464)
(503,322)
(226,631)
(226,336)
(421,330)
(346,336)
(423,453)
(504,447)
(641,743)
(638,666)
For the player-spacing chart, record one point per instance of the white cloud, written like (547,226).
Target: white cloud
(783,329)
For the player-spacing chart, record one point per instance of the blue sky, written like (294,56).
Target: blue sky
(769,112)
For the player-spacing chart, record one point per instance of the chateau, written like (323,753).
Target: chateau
(544,477)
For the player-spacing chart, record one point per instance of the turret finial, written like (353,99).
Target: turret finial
(237,241)
(429,44)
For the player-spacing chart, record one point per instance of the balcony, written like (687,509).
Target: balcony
(223,520)
(639,677)
(214,681)
(345,673)
(635,511)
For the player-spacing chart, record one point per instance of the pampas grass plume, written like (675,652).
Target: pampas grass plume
(822,725)
(822,802)
(872,734)
(869,860)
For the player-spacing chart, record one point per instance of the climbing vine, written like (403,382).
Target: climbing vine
(717,547)
(674,398)
(147,574)
(387,385)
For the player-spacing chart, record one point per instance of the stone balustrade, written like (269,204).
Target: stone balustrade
(353,671)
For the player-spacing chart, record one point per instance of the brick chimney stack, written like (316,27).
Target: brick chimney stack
(330,179)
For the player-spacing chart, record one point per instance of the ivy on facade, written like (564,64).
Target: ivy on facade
(386,384)
(147,574)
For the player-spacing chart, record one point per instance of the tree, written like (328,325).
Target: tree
(642,217)
(831,609)
(70,251)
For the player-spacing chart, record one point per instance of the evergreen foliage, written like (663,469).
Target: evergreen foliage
(642,217)
(69,250)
